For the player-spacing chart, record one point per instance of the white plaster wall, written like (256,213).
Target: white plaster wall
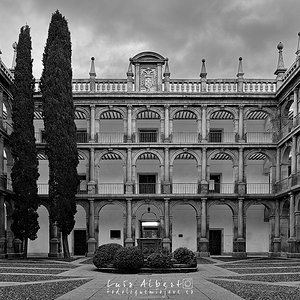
(255,125)
(184,125)
(223,167)
(185,171)
(226,125)
(81,124)
(110,218)
(220,217)
(257,231)
(111,126)
(40,246)
(184,222)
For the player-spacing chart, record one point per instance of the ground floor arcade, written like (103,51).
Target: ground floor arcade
(207,226)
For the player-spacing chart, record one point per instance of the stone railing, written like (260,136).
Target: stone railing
(6,71)
(175,86)
(290,71)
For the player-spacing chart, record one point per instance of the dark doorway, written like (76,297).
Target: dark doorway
(147,184)
(214,184)
(215,240)
(80,245)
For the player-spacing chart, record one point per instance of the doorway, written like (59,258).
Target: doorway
(214,183)
(215,241)
(147,183)
(80,245)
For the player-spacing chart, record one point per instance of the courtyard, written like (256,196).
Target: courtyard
(217,278)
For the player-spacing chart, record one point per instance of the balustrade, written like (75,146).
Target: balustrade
(110,137)
(259,188)
(259,137)
(185,137)
(221,137)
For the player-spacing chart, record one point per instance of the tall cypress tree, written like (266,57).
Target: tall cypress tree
(25,169)
(60,128)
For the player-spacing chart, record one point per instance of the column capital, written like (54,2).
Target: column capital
(91,199)
(167,199)
(167,106)
(92,106)
(128,199)
(129,106)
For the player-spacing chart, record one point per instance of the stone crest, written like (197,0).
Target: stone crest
(148,79)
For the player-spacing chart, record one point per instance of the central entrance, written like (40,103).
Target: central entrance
(215,241)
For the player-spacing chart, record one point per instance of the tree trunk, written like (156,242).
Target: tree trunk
(65,245)
(25,243)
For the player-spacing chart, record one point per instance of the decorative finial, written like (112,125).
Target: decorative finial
(203,72)
(92,71)
(129,72)
(280,66)
(298,46)
(167,70)
(240,72)
(13,65)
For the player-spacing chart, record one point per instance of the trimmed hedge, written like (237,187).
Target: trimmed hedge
(129,259)
(104,255)
(184,255)
(159,260)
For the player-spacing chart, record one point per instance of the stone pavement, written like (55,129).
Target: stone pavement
(191,286)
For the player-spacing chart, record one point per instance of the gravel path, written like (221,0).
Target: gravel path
(52,266)
(22,278)
(267,278)
(284,265)
(32,271)
(266,270)
(44,291)
(260,292)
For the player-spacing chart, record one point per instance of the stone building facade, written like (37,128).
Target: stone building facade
(210,164)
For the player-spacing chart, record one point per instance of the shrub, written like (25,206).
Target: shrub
(185,256)
(129,259)
(104,255)
(159,260)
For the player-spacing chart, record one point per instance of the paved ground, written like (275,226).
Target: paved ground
(220,280)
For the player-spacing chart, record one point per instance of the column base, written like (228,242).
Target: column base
(129,242)
(166,242)
(239,246)
(204,247)
(274,254)
(129,188)
(91,187)
(292,246)
(53,248)
(276,245)
(239,254)
(91,246)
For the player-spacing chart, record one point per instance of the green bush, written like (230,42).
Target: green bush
(159,260)
(104,255)
(129,259)
(185,256)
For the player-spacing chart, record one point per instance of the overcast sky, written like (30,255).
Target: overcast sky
(185,31)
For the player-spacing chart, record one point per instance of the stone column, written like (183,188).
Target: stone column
(166,240)
(167,183)
(198,230)
(129,183)
(204,243)
(129,241)
(276,240)
(204,133)
(159,77)
(92,128)
(295,106)
(240,242)
(204,183)
(171,130)
(199,130)
(2,227)
(278,164)
(129,123)
(134,137)
(92,183)
(91,241)
(293,156)
(292,238)
(167,123)
(241,179)
(53,239)
(241,124)
(1,107)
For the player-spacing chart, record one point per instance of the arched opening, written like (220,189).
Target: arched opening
(148,124)
(285,226)
(286,163)
(258,127)
(286,121)
(184,227)
(185,174)
(40,246)
(111,225)
(111,174)
(111,127)
(78,236)
(184,127)
(257,229)
(82,170)
(82,126)
(221,173)
(147,174)
(258,174)
(220,230)
(221,127)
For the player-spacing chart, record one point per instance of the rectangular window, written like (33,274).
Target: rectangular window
(147,184)
(115,234)
(215,135)
(81,136)
(148,135)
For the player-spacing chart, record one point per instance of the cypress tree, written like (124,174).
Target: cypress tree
(25,169)
(60,128)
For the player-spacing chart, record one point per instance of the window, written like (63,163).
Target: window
(115,234)
(147,135)
(215,135)
(147,184)
(214,183)
(81,136)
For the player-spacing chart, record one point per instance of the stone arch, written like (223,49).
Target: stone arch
(230,110)
(84,205)
(284,152)
(271,114)
(101,204)
(195,205)
(137,205)
(138,110)
(84,153)
(232,155)
(268,153)
(115,151)
(231,204)
(102,110)
(191,152)
(154,152)
(192,110)
(269,205)
(84,110)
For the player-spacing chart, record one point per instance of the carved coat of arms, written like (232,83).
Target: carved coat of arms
(148,80)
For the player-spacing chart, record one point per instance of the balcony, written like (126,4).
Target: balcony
(185,137)
(221,188)
(5,183)
(148,136)
(110,137)
(81,137)
(258,188)
(259,137)
(185,188)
